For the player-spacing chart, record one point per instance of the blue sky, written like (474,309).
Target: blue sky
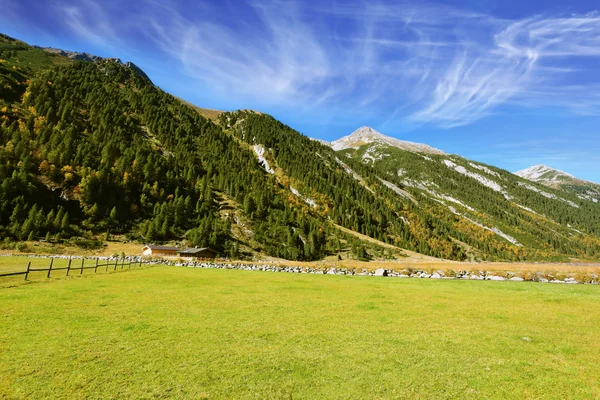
(510,83)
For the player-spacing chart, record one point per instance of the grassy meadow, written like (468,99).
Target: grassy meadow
(19,264)
(9,264)
(174,332)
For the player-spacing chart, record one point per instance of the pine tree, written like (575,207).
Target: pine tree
(65,222)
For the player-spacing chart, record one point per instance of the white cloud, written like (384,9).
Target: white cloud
(552,37)
(423,63)
(280,61)
(89,21)
(516,67)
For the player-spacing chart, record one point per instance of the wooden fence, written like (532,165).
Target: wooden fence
(75,267)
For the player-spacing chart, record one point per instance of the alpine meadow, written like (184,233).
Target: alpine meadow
(163,234)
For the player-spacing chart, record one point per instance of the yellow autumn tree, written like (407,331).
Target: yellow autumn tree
(45,167)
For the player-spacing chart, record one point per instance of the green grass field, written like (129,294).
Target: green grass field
(19,264)
(169,332)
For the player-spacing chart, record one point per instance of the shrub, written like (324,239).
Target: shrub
(87,244)
(22,247)
(583,277)
(527,275)
(134,237)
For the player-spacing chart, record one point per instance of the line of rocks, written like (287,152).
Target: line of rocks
(459,275)
(408,272)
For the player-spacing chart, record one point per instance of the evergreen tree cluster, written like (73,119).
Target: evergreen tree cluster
(125,156)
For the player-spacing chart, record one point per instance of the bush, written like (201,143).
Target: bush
(527,275)
(583,277)
(6,244)
(134,237)
(22,247)
(87,244)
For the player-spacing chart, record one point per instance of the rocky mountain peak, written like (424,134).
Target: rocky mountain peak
(542,172)
(367,135)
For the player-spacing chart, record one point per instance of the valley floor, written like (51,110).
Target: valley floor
(165,332)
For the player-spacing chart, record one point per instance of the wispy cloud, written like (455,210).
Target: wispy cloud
(279,61)
(427,63)
(89,21)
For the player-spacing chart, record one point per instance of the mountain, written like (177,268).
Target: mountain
(481,208)
(365,135)
(558,179)
(94,148)
(89,149)
(546,175)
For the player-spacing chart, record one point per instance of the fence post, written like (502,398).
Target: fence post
(68,267)
(27,272)
(116,263)
(50,268)
(96,267)
(82,261)
(122,263)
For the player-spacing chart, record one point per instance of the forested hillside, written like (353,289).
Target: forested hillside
(320,178)
(95,147)
(90,148)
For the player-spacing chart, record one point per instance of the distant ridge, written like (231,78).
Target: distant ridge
(558,179)
(73,55)
(544,174)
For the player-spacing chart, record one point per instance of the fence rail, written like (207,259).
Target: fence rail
(113,265)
